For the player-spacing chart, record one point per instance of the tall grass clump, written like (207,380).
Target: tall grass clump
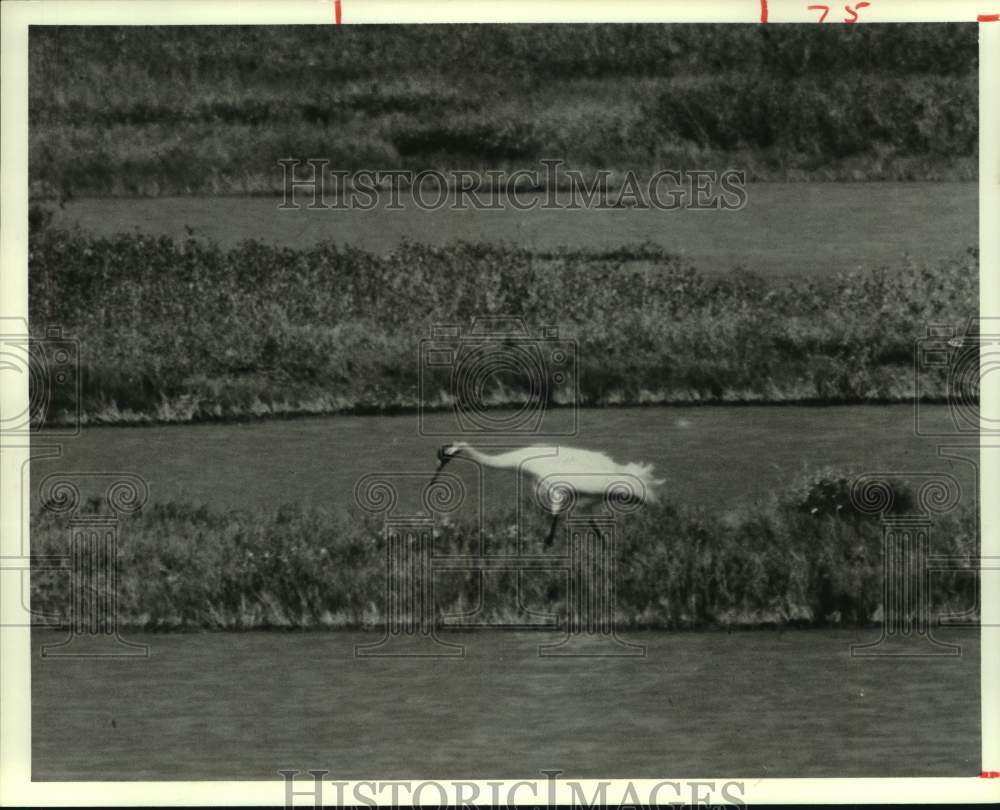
(185,330)
(805,558)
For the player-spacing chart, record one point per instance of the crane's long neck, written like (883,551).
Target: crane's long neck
(501,461)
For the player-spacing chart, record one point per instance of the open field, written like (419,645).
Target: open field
(745,705)
(796,229)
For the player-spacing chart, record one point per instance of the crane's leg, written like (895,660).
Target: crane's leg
(552,530)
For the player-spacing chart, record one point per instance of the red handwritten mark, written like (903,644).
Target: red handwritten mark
(990,774)
(336,11)
(853,11)
(763,11)
(826,10)
(988,18)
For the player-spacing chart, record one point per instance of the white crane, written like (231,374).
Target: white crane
(566,475)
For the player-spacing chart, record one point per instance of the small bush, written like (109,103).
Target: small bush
(828,492)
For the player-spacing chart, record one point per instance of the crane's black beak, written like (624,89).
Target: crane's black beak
(443,460)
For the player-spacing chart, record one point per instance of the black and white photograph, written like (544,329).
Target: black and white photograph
(566,407)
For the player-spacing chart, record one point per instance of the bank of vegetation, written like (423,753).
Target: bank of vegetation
(808,558)
(210,110)
(176,331)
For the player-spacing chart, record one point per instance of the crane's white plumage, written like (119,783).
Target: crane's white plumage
(566,475)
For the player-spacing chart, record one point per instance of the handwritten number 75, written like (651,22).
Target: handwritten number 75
(851,10)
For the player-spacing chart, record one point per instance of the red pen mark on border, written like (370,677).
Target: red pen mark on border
(824,9)
(988,18)
(990,774)
(336,11)
(763,11)
(854,11)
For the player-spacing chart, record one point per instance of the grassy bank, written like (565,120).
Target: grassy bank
(182,331)
(807,558)
(148,111)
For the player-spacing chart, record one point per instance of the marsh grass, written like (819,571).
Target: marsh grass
(152,111)
(803,558)
(175,331)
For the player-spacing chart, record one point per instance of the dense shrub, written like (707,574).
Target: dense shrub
(828,492)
